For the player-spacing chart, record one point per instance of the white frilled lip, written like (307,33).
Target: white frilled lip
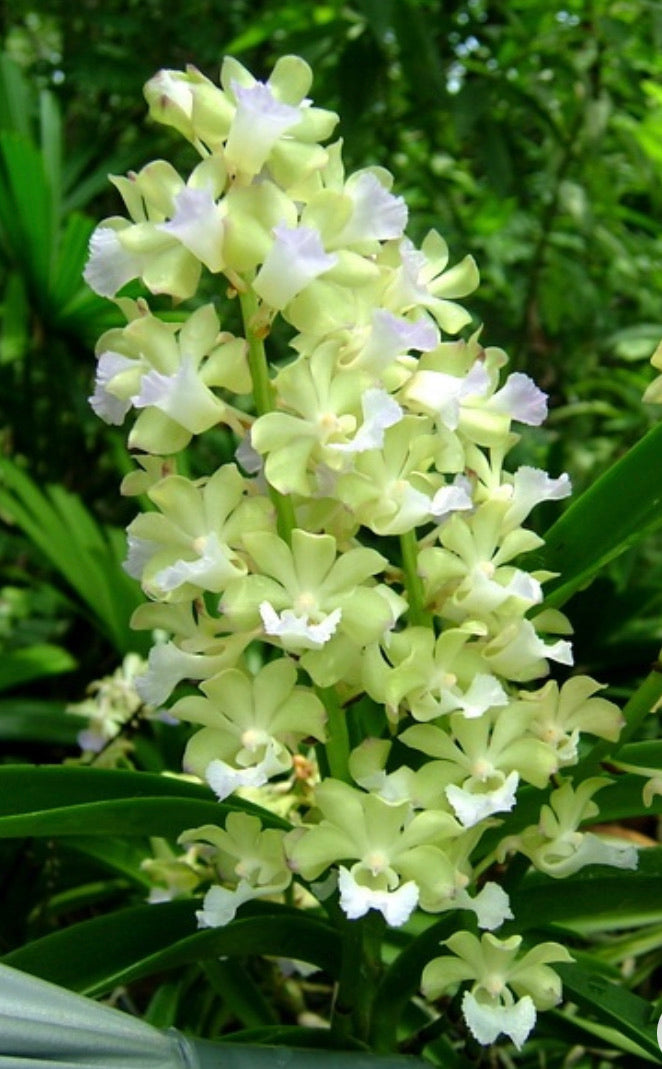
(395,906)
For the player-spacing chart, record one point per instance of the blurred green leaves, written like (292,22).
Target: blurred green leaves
(48,318)
(87,558)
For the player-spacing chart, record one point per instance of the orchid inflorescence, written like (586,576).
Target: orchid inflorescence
(348,594)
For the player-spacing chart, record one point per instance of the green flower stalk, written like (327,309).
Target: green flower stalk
(354,585)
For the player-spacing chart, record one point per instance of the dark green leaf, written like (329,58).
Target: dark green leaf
(26,211)
(402,979)
(68,800)
(14,338)
(32,720)
(239,993)
(14,98)
(121,856)
(72,254)
(642,754)
(97,955)
(612,515)
(611,1004)
(598,896)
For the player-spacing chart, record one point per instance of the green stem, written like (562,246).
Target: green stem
(359,976)
(337,745)
(263,393)
(402,980)
(413,583)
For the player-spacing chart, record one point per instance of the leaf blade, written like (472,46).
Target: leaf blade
(614,513)
(96,955)
(67,800)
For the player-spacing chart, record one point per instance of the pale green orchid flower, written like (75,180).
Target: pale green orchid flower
(246,857)
(378,837)
(252,727)
(555,845)
(490,1007)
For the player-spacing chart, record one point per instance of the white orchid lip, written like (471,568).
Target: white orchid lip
(390,336)
(471,807)
(104,402)
(182,396)
(488,1020)
(224,778)
(483,693)
(356,899)
(530,487)
(220,904)
(296,257)
(520,399)
(437,391)
(198,223)
(259,121)
(491,905)
(380,411)
(296,630)
(214,567)
(449,499)
(377,214)
(110,266)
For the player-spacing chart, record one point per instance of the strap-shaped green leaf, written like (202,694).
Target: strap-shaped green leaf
(297,1048)
(64,800)
(613,514)
(596,896)
(611,1004)
(643,754)
(15,110)
(71,257)
(97,955)
(26,211)
(165,817)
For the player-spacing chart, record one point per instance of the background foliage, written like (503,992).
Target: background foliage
(528,133)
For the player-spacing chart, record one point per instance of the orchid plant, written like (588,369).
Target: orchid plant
(351,625)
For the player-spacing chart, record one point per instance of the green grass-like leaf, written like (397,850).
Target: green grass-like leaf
(97,955)
(615,513)
(68,800)
(597,897)
(611,1004)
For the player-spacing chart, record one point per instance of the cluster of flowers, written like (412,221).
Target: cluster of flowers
(403,665)
(111,704)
